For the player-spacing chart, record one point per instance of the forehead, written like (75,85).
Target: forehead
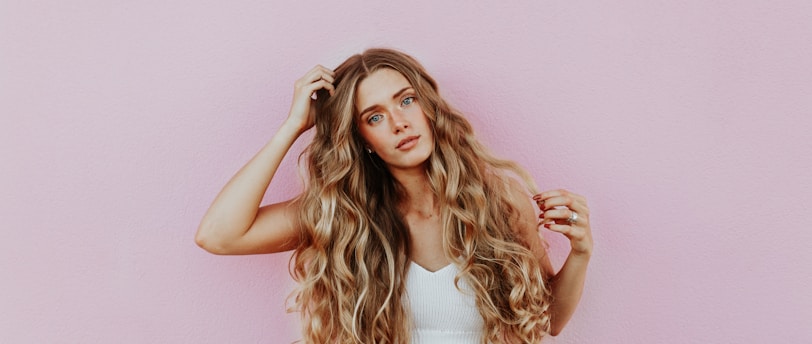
(379,87)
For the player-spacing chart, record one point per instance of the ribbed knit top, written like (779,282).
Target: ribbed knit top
(441,313)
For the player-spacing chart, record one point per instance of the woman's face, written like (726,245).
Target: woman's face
(391,121)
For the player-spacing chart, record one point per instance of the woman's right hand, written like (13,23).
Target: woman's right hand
(302,112)
(235,223)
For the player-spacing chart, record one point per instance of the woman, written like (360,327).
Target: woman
(408,230)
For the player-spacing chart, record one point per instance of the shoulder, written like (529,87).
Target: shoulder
(519,197)
(520,207)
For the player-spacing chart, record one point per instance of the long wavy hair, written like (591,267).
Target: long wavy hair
(353,254)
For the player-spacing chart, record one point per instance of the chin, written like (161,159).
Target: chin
(424,155)
(412,162)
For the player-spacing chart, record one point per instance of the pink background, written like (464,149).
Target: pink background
(686,123)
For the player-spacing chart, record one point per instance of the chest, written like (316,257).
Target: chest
(441,312)
(426,236)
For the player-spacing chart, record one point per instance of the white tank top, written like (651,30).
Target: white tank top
(441,313)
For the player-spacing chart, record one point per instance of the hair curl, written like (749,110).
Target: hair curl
(353,256)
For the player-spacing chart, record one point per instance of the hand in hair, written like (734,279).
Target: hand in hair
(566,213)
(235,223)
(302,111)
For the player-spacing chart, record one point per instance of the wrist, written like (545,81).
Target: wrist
(292,128)
(582,255)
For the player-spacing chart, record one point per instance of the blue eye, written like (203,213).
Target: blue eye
(374,118)
(407,101)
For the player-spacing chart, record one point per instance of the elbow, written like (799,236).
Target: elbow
(205,240)
(205,243)
(556,327)
(555,331)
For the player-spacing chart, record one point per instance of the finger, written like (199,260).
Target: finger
(565,203)
(326,70)
(327,86)
(315,74)
(312,89)
(563,229)
(558,192)
(580,223)
(549,194)
(328,77)
(556,213)
(323,74)
(561,215)
(571,232)
(315,86)
(562,201)
(579,239)
(558,198)
(557,201)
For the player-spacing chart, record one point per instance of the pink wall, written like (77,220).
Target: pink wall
(686,123)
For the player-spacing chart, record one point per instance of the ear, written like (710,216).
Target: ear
(367,147)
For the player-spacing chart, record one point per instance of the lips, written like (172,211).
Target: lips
(407,141)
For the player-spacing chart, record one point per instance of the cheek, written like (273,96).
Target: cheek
(426,123)
(364,134)
(370,136)
(419,117)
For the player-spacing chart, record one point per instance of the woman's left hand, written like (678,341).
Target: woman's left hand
(566,213)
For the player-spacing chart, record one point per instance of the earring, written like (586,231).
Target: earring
(369,150)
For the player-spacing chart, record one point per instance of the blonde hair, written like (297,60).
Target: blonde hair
(353,256)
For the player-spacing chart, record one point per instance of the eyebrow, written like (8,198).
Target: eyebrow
(397,94)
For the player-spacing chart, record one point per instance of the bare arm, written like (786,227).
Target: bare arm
(568,284)
(235,223)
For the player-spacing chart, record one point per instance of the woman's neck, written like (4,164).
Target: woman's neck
(419,199)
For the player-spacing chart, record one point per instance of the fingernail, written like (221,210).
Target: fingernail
(547,225)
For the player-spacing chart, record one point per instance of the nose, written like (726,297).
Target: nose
(399,121)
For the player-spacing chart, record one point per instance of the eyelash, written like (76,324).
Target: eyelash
(411,100)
